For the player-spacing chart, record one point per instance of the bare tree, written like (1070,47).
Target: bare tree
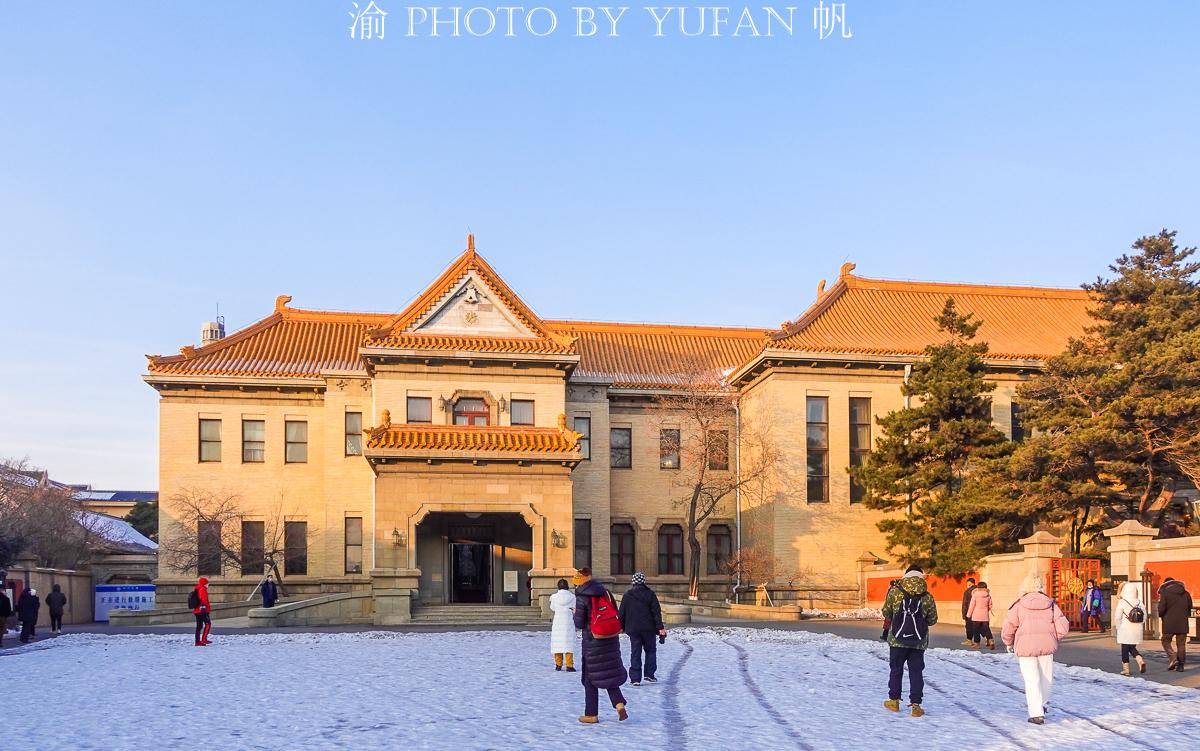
(42,519)
(717,453)
(208,534)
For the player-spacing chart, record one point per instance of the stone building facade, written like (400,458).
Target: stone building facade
(470,451)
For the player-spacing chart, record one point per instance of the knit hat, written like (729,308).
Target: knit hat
(639,578)
(1032,583)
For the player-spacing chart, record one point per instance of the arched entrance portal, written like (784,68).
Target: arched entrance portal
(476,558)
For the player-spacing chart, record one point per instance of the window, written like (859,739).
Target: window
(583,543)
(208,548)
(720,547)
(583,426)
(470,412)
(1018,427)
(295,548)
(718,449)
(521,411)
(668,448)
(354,545)
(860,442)
(670,549)
(818,449)
(295,441)
(621,447)
(254,440)
(253,548)
(210,440)
(354,434)
(420,409)
(622,549)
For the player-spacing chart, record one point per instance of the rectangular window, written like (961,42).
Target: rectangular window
(818,449)
(622,542)
(420,409)
(583,543)
(354,434)
(210,440)
(253,548)
(621,447)
(670,549)
(720,548)
(668,448)
(254,440)
(718,449)
(208,548)
(295,548)
(472,411)
(295,441)
(583,426)
(354,545)
(860,442)
(521,411)
(1018,427)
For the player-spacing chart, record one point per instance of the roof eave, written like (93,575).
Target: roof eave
(459,354)
(160,379)
(792,355)
(445,455)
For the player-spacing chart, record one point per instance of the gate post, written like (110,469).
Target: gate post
(1125,542)
(1041,548)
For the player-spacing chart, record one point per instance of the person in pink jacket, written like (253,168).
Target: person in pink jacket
(979,613)
(1033,628)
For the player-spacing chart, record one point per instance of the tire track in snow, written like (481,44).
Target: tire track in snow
(756,692)
(672,715)
(1085,718)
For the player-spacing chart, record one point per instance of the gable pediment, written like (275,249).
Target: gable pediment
(471,308)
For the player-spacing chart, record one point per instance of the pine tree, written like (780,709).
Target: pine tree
(1118,413)
(922,462)
(144,518)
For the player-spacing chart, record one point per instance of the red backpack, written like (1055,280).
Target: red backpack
(603,621)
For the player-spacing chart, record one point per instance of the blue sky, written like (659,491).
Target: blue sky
(159,158)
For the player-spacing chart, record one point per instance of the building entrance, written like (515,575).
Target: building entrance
(474,558)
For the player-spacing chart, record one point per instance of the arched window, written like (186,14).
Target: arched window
(470,411)
(670,549)
(622,549)
(720,547)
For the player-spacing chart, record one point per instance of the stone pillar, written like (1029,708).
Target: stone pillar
(393,590)
(1041,548)
(544,583)
(1125,542)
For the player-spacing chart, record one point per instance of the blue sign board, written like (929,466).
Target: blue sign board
(122,597)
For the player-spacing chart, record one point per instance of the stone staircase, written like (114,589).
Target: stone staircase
(482,616)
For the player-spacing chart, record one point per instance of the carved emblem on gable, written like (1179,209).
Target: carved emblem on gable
(470,318)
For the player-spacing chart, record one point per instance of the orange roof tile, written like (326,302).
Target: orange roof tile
(442,342)
(639,355)
(474,438)
(883,317)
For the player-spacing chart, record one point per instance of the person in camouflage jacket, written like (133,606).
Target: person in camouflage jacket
(907,648)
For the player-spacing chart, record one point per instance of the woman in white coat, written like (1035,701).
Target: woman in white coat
(1129,632)
(562,631)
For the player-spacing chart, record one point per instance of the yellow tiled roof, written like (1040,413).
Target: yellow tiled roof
(473,438)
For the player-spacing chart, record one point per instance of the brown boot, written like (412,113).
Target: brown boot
(1141,664)
(622,715)
(589,719)
(892,705)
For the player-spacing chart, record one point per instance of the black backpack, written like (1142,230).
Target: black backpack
(194,599)
(909,625)
(1136,614)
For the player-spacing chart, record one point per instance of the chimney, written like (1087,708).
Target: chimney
(212,331)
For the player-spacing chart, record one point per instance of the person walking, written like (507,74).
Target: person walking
(202,609)
(1174,609)
(641,619)
(56,601)
(1129,620)
(911,610)
(979,615)
(6,612)
(596,615)
(562,631)
(1033,628)
(966,606)
(28,606)
(270,592)
(1092,607)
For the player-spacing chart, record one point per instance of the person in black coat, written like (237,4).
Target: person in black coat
(641,619)
(602,667)
(1174,608)
(28,606)
(56,601)
(5,612)
(966,603)
(270,593)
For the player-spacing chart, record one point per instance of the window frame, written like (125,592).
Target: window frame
(291,552)
(613,448)
(585,442)
(619,534)
(512,412)
(582,542)
(718,448)
(670,560)
(253,566)
(712,552)
(812,451)
(472,416)
(208,441)
(208,563)
(288,443)
(357,435)
(246,442)
(1016,426)
(858,454)
(667,449)
(408,409)
(348,545)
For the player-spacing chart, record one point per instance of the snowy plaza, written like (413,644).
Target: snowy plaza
(719,688)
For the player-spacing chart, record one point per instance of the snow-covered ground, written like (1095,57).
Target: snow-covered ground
(720,689)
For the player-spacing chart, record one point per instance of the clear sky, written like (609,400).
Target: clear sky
(159,158)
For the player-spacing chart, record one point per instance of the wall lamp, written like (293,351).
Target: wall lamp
(398,538)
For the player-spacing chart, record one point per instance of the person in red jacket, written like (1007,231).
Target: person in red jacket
(202,610)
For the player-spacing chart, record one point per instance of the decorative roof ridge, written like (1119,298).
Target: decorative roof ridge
(823,302)
(748,332)
(189,352)
(1000,290)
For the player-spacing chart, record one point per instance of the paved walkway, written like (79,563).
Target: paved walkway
(1089,650)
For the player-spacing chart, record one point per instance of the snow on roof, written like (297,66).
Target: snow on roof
(116,531)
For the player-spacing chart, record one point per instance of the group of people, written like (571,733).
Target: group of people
(1033,628)
(593,610)
(27,609)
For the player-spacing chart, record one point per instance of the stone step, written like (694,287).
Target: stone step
(478,615)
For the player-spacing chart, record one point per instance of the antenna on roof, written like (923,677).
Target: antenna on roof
(213,331)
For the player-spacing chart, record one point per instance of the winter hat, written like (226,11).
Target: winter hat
(639,578)
(202,581)
(581,576)
(1032,583)
(914,572)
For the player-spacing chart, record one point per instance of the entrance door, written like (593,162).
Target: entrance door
(470,572)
